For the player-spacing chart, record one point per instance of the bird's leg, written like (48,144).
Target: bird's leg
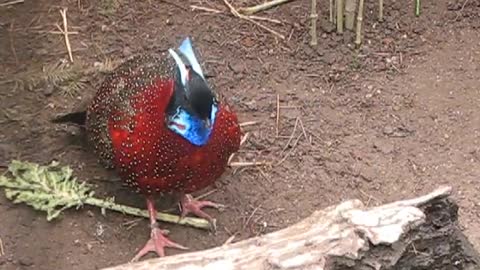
(157,241)
(189,205)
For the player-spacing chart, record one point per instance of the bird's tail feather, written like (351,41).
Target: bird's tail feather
(78,118)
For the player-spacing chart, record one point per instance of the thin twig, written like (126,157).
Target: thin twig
(251,215)
(216,11)
(11,3)
(291,150)
(212,10)
(244,139)
(12,43)
(261,7)
(56,32)
(313,18)
(370,196)
(131,223)
(303,129)
(2,251)
(206,194)
(63,12)
(460,11)
(241,16)
(278,115)
(248,123)
(291,135)
(248,164)
(229,240)
(265,19)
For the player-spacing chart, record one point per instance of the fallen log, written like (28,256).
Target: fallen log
(420,233)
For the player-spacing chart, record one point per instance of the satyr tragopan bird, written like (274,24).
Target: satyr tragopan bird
(157,121)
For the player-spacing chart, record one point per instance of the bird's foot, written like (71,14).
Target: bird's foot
(189,205)
(156,244)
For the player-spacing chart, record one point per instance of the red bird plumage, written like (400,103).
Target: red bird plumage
(127,125)
(130,132)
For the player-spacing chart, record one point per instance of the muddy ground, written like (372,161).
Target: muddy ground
(396,118)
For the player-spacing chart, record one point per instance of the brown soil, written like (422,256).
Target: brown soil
(395,119)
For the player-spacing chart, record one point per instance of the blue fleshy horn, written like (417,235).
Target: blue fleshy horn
(187,50)
(181,66)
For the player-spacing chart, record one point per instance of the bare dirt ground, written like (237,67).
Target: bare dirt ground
(394,119)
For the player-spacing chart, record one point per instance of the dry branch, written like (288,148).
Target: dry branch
(345,236)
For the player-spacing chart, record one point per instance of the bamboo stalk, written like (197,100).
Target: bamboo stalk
(313,17)
(417,8)
(350,6)
(380,10)
(330,9)
(358,39)
(340,16)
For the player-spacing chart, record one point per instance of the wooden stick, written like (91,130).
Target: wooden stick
(313,17)
(261,7)
(358,39)
(11,3)
(241,16)
(348,232)
(340,16)
(63,12)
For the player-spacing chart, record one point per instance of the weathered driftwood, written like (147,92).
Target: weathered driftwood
(419,233)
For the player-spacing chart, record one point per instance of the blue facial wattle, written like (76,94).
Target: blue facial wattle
(191,127)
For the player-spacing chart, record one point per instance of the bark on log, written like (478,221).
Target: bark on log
(420,233)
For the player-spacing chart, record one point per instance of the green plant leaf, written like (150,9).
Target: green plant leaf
(46,188)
